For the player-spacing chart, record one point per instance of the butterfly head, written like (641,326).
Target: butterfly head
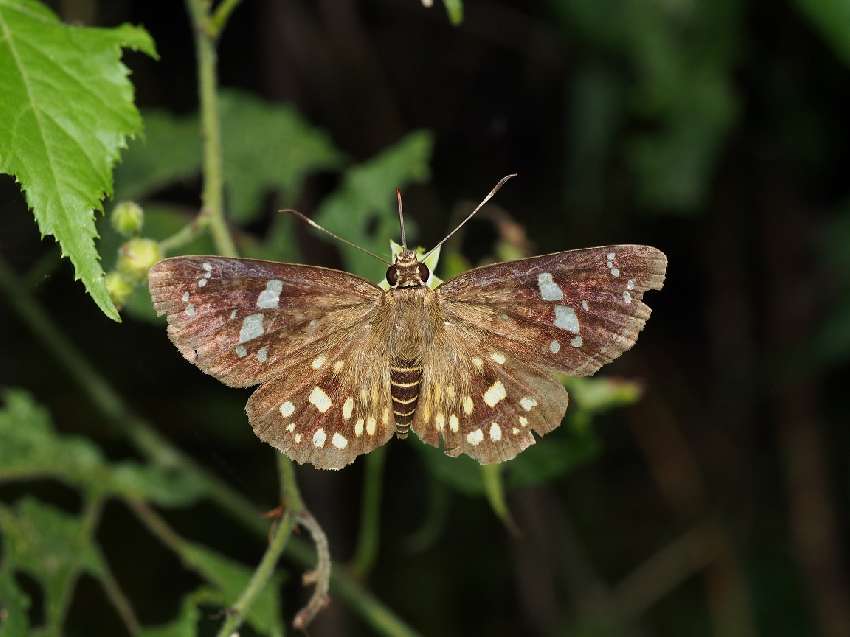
(407,271)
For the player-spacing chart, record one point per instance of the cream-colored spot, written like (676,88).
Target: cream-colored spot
(339,441)
(202,282)
(495,393)
(615,272)
(585,306)
(269,298)
(528,403)
(358,427)
(232,315)
(555,347)
(319,437)
(385,416)
(475,437)
(479,364)
(515,431)
(252,327)
(287,409)
(290,427)
(185,297)
(263,354)
(467,405)
(577,341)
(454,424)
(364,396)
(338,367)
(207,267)
(611,256)
(450,392)
(523,421)
(630,285)
(297,438)
(190,310)
(440,422)
(347,408)
(320,399)
(370,425)
(318,362)
(566,319)
(549,290)
(495,432)
(498,357)
(627,297)
(241,351)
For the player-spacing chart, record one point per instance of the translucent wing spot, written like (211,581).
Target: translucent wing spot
(269,298)
(339,441)
(627,297)
(252,327)
(515,431)
(319,438)
(232,315)
(263,354)
(523,420)
(495,393)
(370,425)
(190,310)
(440,422)
(347,408)
(549,290)
(454,424)
(202,282)
(498,358)
(320,400)
(468,405)
(554,347)
(207,268)
(185,297)
(318,362)
(479,364)
(287,409)
(577,341)
(615,272)
(585,306)
(241,351)
(630,285)
(495,432)
(475,437)
(358,427)
(611,256)
(297,438)
(528,403)
(566,319)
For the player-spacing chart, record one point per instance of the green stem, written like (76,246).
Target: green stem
(368,538)
(186,234)
(119,600)
(220,16)
(213,194)
(151,444)
(266,567)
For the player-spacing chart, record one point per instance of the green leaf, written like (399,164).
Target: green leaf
(494,489)
(463,474)
(186,624)
(30,448)
(366,197)
(830,18)
(50,546)
(67,110)
(265,146)
(552,457)
(454,8)
(14,606)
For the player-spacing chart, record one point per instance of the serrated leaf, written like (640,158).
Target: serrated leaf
(31,448)
(366,198)
(50,546)
(67,110)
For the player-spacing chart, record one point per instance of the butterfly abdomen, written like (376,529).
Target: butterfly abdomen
(405,376)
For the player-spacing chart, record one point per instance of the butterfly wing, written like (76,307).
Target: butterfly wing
(509,326)
(306,333)
(241,320)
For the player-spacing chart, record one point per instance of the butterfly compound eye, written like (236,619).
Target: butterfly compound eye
(423,272)
(392,275)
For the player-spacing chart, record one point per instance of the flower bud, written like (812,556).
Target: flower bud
(120,287)
(127,218)
(137,256)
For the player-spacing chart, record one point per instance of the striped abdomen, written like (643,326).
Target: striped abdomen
(404,389)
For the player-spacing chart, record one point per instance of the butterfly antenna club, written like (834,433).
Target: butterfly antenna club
(489,196)
(312,223)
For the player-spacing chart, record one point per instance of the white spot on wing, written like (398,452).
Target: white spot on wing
(495,393)
(318,362)
(467,405)
(454,424)
(370,425)
(185,296)
(627,297)
(320,399)
(440,422)
(269,298)
(319,437)
(611,256)
(479,364)
(347,408)
(287,409)
(555,347)
(498,357)
(615,272)
(297,438)
(358,427)
(549,290)
(207,266)
(339,441)
(241,351)
(523,421)
(290,427)
(252,327)
(528,403)
(585,306)
(202,282)
(475,437)
(577,341)
(566,319)
(190,310)
(263,354)
(338,367)
(630,285)
(232,315)
(495,432)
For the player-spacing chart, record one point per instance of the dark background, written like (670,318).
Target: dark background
(715,131)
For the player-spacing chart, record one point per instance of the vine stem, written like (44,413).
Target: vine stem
(213,193)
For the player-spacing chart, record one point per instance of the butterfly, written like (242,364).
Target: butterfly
(343,365)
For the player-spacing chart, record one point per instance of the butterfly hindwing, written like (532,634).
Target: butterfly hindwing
(571,311)
(241,320)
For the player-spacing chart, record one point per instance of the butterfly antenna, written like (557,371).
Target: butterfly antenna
(310,222)
(471,214)
(401,218)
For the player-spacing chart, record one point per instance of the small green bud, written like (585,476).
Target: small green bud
(137,256)
(127,218)
(120,287)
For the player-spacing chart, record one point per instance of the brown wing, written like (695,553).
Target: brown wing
(241,320)
(488,380)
